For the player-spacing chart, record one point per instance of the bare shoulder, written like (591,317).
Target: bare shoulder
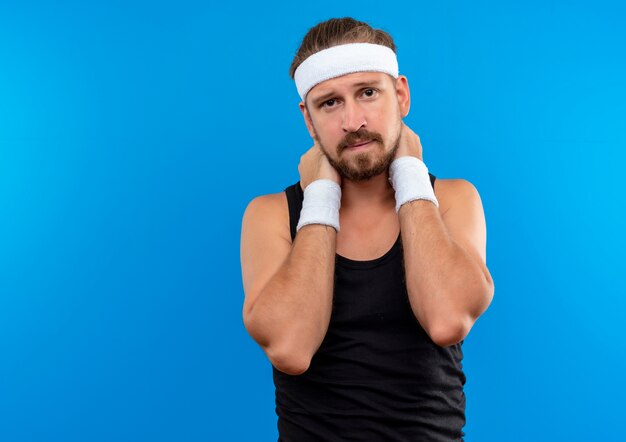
(272,209)
(450,190)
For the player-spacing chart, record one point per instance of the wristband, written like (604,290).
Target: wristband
(409,178)
(322,199)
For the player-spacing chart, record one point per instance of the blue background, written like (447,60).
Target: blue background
(133,135)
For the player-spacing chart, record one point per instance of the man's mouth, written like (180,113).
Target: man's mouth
(363,143)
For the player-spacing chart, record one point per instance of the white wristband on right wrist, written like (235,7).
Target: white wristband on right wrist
(322,199)
(409,178)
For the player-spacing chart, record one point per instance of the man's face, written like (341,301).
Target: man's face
(345,112)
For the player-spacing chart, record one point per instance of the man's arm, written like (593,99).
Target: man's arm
(448,283)
(288,288)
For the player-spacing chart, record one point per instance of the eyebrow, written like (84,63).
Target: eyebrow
(326,96)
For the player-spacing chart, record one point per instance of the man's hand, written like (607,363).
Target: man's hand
(314,166)
(409,144)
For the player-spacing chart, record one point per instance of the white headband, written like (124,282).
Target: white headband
(344,59)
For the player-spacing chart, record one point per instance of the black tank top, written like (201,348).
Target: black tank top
(377,375)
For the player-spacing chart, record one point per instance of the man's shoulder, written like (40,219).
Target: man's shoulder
(271,209)
(452,184)
(447,190)
(269,202)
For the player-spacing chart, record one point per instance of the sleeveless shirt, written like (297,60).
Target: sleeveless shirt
(377,375)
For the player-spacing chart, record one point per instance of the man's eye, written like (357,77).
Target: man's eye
(328,103)
(369,92)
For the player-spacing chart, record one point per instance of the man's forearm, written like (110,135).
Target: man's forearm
(447,288)
(291,314)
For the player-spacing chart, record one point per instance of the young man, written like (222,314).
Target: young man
(363,279)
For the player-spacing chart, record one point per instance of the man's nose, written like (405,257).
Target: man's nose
(353,117)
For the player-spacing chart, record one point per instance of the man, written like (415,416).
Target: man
(362,280)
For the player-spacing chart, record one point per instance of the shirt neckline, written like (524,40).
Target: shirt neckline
(347,262)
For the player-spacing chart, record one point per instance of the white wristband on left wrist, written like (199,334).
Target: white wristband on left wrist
(409,178)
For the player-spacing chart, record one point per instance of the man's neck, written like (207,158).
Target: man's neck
(375,193)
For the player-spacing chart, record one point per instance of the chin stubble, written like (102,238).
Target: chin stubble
(365,168)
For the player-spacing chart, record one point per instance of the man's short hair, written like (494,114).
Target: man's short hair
(337,31)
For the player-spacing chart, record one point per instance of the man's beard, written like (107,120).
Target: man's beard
(361,166)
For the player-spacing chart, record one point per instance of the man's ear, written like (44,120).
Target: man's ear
(307,119)
(404,95)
